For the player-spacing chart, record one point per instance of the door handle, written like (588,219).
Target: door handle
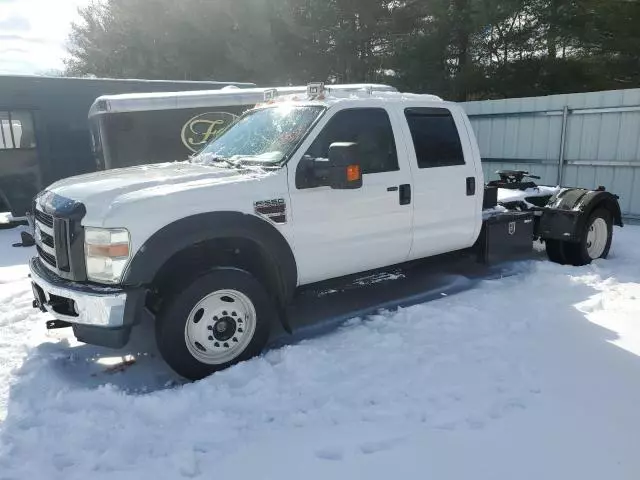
(392,189)
(405,194)
(471,186)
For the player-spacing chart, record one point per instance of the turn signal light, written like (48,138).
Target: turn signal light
(353,173)
(117,250)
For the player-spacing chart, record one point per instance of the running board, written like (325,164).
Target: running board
(320,307)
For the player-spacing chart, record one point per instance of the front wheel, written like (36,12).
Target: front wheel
(216,321)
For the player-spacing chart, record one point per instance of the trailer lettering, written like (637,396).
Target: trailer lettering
(202,128)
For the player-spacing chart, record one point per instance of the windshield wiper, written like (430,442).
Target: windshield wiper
(208,158)
(228,161)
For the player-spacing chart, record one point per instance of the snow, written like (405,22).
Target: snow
(493,211)
(377,278)
(5,217)
(506,195)
(528,376)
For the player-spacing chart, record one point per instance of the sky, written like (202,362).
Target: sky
(33,34)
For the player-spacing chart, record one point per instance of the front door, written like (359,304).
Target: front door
(338,232)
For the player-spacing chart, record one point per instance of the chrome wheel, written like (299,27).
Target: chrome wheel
(597,237)
(220,327)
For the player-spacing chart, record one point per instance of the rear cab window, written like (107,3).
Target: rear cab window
(435,137)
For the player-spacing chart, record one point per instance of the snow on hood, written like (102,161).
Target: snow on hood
(102,191)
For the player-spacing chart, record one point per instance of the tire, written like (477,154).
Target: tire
(555,251)
(217,320)
(594,241)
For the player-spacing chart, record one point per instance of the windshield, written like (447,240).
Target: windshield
(263,136)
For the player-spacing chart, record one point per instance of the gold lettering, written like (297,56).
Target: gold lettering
(199,130)
(211,131)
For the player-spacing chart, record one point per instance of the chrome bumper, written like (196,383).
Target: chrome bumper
(80,304)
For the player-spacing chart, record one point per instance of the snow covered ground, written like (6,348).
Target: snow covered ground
(534,376)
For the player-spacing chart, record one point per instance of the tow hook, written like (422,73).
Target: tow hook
(54,324)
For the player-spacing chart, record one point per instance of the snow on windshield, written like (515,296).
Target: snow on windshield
(266,135)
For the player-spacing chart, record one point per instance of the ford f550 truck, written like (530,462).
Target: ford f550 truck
(299,190)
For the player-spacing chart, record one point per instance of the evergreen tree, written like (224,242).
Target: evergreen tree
(459,49)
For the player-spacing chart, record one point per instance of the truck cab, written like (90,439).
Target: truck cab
(301,189)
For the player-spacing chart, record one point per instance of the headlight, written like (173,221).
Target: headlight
(107,253)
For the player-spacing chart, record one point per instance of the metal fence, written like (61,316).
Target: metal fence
(584,140)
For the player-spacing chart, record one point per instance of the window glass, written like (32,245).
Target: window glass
(370,128)
(265,135)
(435,137)
(24,134)
(5,131)
(16,130)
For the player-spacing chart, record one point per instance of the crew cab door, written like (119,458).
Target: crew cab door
(339,232)
(447,179)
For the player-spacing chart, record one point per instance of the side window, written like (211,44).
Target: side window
(6,140)
(16,130)
(370,128)
(435,137)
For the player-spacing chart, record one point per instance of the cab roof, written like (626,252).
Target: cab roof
(137,102)
(332,97)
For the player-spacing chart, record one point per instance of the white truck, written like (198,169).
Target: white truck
(298,190)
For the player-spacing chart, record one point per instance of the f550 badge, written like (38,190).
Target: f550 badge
(274,210)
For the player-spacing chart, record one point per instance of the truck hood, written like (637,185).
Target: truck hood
(104,191)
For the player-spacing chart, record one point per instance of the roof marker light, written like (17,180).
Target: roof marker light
(270,94)
(315,89)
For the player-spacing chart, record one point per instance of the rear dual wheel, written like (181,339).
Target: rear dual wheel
(595,242)
(215,321)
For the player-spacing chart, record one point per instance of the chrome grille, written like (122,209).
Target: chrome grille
(48,258)
(59,235)
(44,236)
(44,218)
(47,239)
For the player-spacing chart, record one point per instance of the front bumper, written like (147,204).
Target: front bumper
(100,315)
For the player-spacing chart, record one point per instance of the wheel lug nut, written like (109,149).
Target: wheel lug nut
(209,327)
(210,338)
(216,344)
(240,329)
(234,314)
(215,319)
(224,313)
(226,344)
(235,339)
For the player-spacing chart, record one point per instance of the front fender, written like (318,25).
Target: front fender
(189,231)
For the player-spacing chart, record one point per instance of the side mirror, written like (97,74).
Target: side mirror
(344,166)
(340,171)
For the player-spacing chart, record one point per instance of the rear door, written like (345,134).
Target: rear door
(339,232)
(447,188)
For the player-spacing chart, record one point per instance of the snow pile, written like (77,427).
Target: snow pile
(529,376)
(507,195)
